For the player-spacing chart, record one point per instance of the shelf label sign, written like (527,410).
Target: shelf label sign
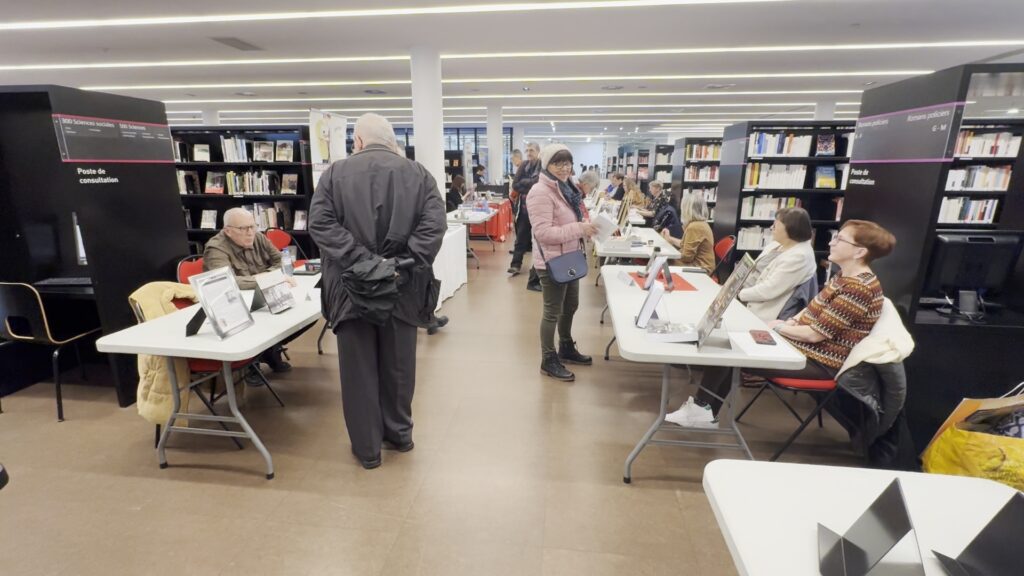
(919,135)
(106,140)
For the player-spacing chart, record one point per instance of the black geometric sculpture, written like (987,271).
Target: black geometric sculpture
(996,549)
(870,538)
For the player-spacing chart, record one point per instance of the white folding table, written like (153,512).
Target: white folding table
(687,307)
(165,336)
(616,247)
(469,218)
(769,511)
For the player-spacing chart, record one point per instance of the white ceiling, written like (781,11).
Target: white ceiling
(825,23)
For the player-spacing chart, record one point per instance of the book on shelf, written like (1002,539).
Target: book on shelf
(208,220)
(965,210)
(188,217)
(778,144)
(215,182)
(710,194)
(182,185)
(769,176)
(979,179)
(642,173)
(765,207)
(289,184)
(663,176)
(285,217)
(263,151)
(284,151)
(234,149)
(753,237)
(201,153)
(986,145)
(259,182)
(844,172)
(825,177)
(701,173)
(826,145)
(703,151)
(663,158)
(300,220)
(839,208)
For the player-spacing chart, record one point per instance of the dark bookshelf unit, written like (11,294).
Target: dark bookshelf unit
(767,165)
(453,166)
(904,188)
(695,154)
(661,165)
(260,198)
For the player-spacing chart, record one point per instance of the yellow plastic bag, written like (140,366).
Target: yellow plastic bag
(962,452)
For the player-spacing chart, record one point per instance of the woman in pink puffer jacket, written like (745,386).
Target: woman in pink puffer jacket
(560,222)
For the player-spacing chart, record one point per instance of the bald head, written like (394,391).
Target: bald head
(240,227)
(373,129)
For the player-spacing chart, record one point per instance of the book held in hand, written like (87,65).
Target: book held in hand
(263,152)
(201,153)
(284,152)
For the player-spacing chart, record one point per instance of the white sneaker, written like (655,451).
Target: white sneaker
(693,415)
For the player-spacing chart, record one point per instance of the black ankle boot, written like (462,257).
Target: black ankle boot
(567,352)
(552,367)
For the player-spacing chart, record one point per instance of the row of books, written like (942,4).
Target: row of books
(276,215)
(663,158)
(238,150)
(765,207)
(979,179)
(663,176)
(986,145)
(710,194)
(961,210)
(254,182)
(789,144)
(642,158)
(753,237)
(698,173)
(775,175)
(703,151)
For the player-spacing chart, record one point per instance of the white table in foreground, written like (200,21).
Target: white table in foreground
(468,218)
(165,336)
(687,307)
(769,511)
(650,239)
(450,263)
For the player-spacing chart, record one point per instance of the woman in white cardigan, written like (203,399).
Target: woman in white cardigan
(786,263)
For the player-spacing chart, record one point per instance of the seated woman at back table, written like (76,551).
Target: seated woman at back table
(634,195)
(839,317)
(658,200)
(696,244)
(786,263)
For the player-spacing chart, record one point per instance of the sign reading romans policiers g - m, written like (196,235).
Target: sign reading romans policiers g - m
(920,135)
(88,139)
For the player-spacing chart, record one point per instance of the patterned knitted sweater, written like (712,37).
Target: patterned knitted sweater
(843,312)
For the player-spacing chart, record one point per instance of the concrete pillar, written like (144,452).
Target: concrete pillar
(825,110)
(495,145)
(427,111)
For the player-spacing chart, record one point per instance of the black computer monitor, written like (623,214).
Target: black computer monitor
(976,261)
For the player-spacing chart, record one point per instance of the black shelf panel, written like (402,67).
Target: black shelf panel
(793,192)
(771,220)
(288,197)
(689,161)
(939,226)
(798,159)
(700,183)
(974,193)
(252,164)
(984,159)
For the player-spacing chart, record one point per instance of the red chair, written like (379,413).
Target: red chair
(281,240)
(723,249)
(188,267)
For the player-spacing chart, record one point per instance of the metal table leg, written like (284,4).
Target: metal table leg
(597,277)
(469,251)
(608,347)
(602,313)
(233,405)
(161,454)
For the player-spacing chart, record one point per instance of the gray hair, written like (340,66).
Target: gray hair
(693,208)
(533,145)
(233,214)
(655,184)
(590,178)
(375,129)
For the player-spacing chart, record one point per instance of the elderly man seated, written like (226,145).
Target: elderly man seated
(247,252)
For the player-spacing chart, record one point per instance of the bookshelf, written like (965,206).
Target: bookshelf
(274,190)
(689,157)
(766,165)
(661,168)
(453,166)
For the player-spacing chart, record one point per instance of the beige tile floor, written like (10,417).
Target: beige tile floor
(513,473)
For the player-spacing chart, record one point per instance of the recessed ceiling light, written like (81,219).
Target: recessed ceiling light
(374,91)
(610,88)
(526,88)
(245,93)
(620,127)
(871,83)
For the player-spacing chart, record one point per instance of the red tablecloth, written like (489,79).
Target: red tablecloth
(499,226)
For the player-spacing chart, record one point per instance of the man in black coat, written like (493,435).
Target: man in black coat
(377,205)
(525,178)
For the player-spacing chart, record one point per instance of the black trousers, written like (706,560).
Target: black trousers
(378,377)
(717,379)
(524,240)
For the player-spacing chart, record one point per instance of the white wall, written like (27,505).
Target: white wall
(588,153)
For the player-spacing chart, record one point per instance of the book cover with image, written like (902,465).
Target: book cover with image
(263,152)
(826,145)
(289,184)
(201,153)
(215,182)
(284,152)
(825,177)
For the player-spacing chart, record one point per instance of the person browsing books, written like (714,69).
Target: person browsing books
(588,182)
(696,242)
(247,252)
(560,222)
(786,263)
(839,317)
